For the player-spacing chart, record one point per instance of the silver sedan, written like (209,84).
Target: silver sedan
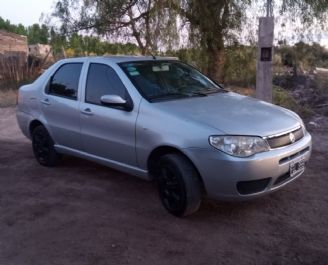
(158,118)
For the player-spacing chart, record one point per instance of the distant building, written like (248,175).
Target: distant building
(13,45)
(40,51)
(13,56)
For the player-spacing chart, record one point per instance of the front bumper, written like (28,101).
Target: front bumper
(221,173)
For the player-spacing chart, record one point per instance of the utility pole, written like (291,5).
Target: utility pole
(269,9)
(265,55)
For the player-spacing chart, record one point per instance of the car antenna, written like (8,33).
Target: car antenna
(152,55)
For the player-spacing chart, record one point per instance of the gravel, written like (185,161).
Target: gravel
(84,213)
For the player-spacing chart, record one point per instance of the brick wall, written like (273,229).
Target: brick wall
(13,57)
(10,42)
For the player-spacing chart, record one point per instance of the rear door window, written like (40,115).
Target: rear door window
(65,81)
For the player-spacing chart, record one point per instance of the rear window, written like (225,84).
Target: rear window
(65,81)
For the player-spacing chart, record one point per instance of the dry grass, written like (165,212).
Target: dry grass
(7,98)
(247,91)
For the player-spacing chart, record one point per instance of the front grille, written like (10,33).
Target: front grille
(285,139)
(252,186)
(291,157)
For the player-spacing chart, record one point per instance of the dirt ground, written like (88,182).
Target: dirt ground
(83,213)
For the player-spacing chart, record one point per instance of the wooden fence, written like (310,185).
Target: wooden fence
(13,66)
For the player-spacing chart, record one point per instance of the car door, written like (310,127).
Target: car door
(60,105)
(107,132)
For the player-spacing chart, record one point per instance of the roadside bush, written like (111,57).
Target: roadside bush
(281,97)
(195,57)
(240,66)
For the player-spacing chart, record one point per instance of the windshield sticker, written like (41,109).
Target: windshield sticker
(162,68)
(131,69)
(134,73)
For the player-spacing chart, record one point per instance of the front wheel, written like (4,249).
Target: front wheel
(179,185)
(43,147)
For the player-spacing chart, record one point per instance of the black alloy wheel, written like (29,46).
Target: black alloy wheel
(43,147)
(171,190)
(179,185)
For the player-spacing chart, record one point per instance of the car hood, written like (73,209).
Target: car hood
(234,114)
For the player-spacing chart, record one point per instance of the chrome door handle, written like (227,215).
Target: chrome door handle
(45,101)
(87,111)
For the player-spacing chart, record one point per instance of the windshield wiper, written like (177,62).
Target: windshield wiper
(196,93)
(180,95)
(168,96)
(214,90)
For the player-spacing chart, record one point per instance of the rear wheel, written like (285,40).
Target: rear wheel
(179,185)
(43,147)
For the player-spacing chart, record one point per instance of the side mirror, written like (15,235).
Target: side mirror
(116,101)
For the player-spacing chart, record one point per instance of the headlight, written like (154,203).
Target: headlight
(241,146)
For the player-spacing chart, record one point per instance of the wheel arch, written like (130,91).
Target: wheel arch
(39,122)
(160,151)
(33,124)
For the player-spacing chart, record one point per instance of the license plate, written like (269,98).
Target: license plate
(297,167)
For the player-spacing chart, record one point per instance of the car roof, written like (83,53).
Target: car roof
(118,58)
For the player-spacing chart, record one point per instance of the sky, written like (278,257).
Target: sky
(29,12)
(324,40)
(26,12)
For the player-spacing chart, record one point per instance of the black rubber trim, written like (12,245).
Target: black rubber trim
(284,140)
(252,186)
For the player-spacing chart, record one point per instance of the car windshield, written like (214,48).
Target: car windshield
(165,80)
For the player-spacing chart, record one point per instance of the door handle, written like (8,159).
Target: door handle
(45,101)
(87,111)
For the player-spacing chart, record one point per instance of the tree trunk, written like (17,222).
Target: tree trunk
(215,67)
(136,34)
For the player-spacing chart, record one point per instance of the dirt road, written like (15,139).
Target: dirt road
(83,213)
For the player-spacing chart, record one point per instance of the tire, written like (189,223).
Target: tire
(43,147)
(179,185)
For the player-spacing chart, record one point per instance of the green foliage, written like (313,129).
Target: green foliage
(321,83)
(240,65)
(212,24)
(38,34)
(35,33)
(302,56)
(78,45)
(320,92)
(239,68)
(75,44)
(151,23)
(18,29)
(306,10)
(57,41)
(195,57)
(282,98)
